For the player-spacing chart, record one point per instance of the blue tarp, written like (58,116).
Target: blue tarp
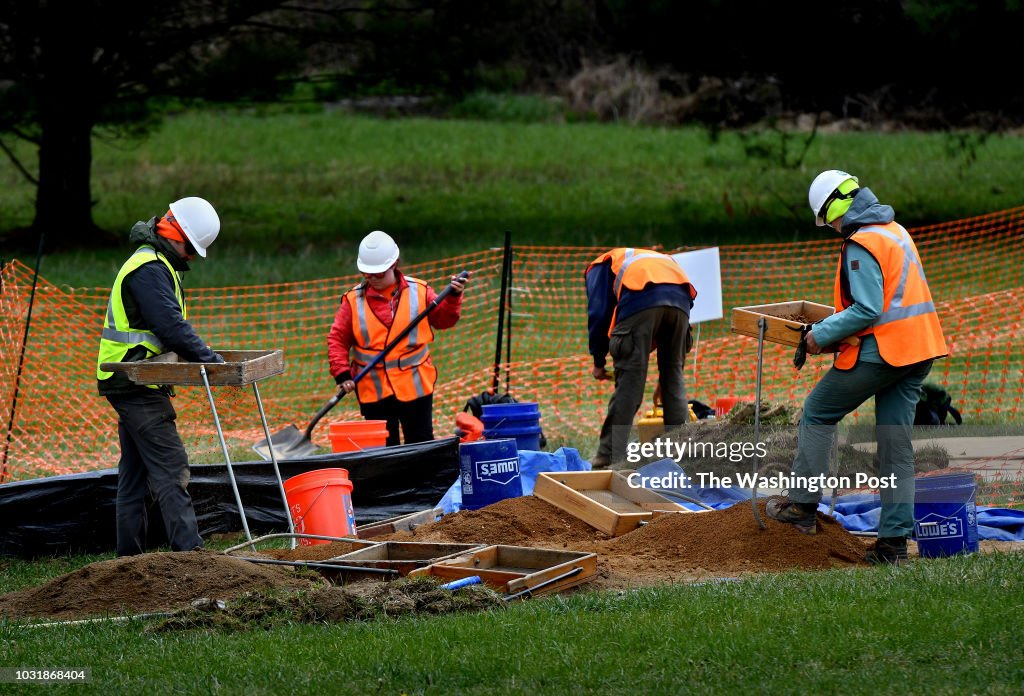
(857,512)
(531,463)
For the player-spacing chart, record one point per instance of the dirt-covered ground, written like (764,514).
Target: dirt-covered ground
(683,547)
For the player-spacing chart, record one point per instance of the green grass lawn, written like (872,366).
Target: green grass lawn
(296,192)
(947,626)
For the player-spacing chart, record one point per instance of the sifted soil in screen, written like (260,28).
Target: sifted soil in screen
(525,521)
(312,552)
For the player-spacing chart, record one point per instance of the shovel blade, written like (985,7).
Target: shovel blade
(287,443)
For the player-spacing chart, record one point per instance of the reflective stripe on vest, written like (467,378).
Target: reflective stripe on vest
(896,309)
(407,371)
(636,276)
(117,337)
(628,259)
(908,329)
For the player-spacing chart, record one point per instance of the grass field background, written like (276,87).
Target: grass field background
(297,191)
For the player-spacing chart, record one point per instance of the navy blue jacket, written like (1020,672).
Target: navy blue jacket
(601,303)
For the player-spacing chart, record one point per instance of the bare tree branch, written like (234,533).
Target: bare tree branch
(17,164)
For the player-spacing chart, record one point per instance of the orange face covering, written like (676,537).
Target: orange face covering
(168,227)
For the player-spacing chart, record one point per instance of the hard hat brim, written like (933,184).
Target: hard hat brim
(185,227)
(377,267)
(199,249)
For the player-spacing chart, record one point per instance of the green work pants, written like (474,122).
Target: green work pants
(896,391)
(630,349)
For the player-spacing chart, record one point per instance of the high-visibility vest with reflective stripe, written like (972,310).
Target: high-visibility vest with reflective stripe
(406,371)
(908,329)
(636,268)
(118,336)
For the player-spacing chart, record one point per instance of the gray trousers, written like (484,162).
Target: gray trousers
(630,349)
(896,391)
(152,460)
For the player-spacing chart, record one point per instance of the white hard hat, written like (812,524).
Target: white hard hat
(198,220)
(822,189)
(377,252)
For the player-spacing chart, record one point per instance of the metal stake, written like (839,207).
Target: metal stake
(762,325)
(273,460)
(224,447)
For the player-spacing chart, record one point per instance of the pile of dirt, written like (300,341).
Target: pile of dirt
(672,548)
(525,521)
(147,583)
(730,542)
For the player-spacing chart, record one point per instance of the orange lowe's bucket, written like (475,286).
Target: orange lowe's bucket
(320,503)
(353,436)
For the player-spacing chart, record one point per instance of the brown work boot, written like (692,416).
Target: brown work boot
(888,551)
(803,517)
(600,462)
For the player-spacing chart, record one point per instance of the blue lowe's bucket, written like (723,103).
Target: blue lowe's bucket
(518,421)
(489,471)
(945,519)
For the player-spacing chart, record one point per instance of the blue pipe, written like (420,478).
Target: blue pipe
(463,582)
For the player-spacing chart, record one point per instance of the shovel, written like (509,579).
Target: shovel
(291,443)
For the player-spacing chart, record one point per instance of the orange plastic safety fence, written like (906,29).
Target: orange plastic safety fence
(53,421)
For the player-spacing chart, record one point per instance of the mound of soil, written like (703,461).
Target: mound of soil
(146,583)
(672,548)
(525,521)
(729,542)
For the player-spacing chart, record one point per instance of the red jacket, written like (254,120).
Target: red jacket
(340,339)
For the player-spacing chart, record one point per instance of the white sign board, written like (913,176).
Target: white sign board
(705,273)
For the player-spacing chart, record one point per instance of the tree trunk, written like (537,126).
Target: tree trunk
(66,99)
(63,200)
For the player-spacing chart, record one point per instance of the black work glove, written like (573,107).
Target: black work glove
(800,355)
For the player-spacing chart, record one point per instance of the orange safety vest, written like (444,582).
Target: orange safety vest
(635,269)
(407,371)
(908,329)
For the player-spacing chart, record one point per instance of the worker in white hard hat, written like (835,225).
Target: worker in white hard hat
(399,389)
(882,299)
(146,316)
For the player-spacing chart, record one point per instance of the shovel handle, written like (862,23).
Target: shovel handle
(408,329)
(331,403)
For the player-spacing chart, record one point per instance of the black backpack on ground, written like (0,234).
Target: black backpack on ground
(934,406)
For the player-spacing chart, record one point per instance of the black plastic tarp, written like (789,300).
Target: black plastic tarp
(75,513)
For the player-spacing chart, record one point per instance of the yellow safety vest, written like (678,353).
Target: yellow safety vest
(118,336)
